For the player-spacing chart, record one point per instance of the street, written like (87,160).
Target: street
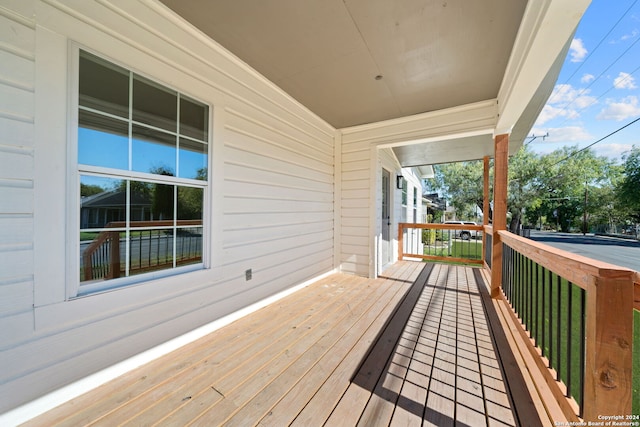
(621,252)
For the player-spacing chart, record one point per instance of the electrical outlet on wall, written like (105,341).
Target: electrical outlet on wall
(248,274)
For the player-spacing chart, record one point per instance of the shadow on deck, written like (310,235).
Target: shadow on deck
(415,347)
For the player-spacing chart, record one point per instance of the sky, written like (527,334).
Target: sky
(598,89)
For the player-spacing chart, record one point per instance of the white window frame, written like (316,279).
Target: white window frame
(75,170)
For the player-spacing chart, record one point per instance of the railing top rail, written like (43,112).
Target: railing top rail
(578,269)
(441,226)
(159,223)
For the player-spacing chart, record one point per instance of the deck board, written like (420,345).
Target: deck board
(414,347)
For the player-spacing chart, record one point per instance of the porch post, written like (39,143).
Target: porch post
(501,148)
(485,199)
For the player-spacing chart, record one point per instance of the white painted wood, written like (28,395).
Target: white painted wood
(17,79)
(546,27)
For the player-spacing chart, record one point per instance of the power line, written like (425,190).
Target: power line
(565,108)
(583,90)
(601,41)
(594,143)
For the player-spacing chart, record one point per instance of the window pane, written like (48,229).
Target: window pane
(190,202)
(150,203)
(150,250)
(189,245)
(102,256)
(102,141)
(193,160)
(103,86)
(154,105)
(102,201)
(153,151)
(194,119)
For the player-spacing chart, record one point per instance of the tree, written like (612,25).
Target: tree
(566,178)
(461,184)
(89,189)
(628,189)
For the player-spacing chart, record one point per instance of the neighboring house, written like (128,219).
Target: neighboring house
(284,159)
(98,210)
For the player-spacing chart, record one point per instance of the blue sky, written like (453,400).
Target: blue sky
(598,89)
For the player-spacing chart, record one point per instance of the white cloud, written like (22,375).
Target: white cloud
(565,101)
(564,134)
(577,50)
(631,35)
(565,93)
(627,107)
(624,81)
(612,150)
(587,78)
(549,112)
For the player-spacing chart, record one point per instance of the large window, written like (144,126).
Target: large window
(143,165)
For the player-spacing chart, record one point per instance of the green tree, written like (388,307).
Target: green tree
(566,177)
(628,188)
(460,183)
(89,190)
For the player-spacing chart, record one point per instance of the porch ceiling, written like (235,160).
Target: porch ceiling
(328,53)
(357,62)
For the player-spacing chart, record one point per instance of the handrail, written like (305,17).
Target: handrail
(422,226)
(576,268)
(608,331)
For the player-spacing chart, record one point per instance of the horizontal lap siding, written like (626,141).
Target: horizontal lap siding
(355,195)
(272,198)
(278,198)
(17,79)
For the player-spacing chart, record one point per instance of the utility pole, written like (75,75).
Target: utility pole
(584,213)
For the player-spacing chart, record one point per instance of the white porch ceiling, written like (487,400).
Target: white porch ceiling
(355,62)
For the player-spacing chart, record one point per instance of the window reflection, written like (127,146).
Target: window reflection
(103,141)
(102,201)
(190,202)
(150,250)
(194,119)
(154,105)
(153,151)
(193,159)
(103,86)
(151,202)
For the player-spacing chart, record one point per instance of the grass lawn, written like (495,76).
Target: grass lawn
(636,363)
(456,249)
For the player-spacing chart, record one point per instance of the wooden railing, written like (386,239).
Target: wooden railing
(441,242)
(102,258)
(487,242)
(577,317)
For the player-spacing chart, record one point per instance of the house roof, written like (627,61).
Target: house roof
(114,199)
(358,62)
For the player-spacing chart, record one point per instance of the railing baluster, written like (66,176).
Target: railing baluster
(535,304)
(558,327)
(544,316)
(583,322)
(568,340)
(551,323)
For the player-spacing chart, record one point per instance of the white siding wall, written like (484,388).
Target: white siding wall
(271,204)
(356,195)
(17,83)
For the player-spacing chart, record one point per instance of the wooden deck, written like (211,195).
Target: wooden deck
(411,348)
